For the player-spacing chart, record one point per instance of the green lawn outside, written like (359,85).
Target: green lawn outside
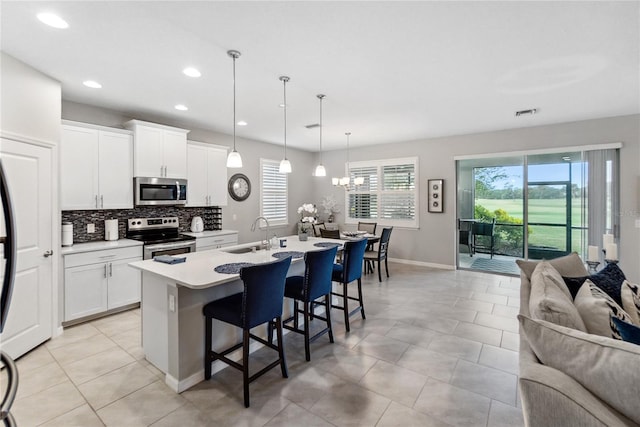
(548,211)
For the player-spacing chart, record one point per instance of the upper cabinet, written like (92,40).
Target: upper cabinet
(159,151)
(206,174)
(96,167)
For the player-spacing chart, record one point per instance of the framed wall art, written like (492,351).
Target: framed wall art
(436,202)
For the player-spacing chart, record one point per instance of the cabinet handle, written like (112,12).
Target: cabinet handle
(96,201)
(105,271)
(47,254)
(208,200)
(101,201)
(165,171)
(110,270)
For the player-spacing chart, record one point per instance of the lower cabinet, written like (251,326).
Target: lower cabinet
(216,242)
(99,281)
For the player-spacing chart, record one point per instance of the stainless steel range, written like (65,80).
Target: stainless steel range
(160,236)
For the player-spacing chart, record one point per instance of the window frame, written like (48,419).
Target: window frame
(274,221)
(379,192)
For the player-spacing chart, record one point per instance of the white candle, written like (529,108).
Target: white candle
(606,240)
(611,252)
(593,254)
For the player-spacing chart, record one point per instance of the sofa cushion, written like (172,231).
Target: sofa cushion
(604,366)
(630,294)
(569,266)
(628,332)
(550,299)
(609,279)
(596,308)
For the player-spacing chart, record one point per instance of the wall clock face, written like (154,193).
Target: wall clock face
(239,187)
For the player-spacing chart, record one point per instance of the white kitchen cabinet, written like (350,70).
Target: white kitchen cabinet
(216,242)
(159,151)
(96,167)
(99,281)
(206,174)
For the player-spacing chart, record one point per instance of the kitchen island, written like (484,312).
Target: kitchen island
(173,296)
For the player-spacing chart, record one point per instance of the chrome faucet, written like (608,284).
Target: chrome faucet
(267,244)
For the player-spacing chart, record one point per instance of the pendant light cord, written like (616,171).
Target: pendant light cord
(284,85)
(321,97)
(234,103)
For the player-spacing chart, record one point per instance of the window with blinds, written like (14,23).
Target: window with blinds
(273,192)
(389,194)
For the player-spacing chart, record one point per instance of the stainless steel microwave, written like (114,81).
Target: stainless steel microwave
(159,191)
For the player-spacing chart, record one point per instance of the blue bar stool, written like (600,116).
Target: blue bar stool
(347,272)
(260,302)
(315,283)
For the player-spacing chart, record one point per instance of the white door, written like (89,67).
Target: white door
(28,170)
(116,171)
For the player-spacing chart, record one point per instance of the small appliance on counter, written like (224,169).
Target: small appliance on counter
(110,229)
(197,225)
(67,234)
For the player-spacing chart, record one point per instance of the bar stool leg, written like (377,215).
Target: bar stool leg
(327,304)
(307,350)
(207,348)
(245,366)
(283,361)
(345,303)
(360,298)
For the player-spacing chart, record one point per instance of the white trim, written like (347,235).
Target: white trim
(131,124)
(96,127)
(551,150)
(423,264)
(27,139)
(207,145)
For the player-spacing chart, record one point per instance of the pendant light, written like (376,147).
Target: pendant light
(285,164)
(345,181)
(320,170)
(234,160)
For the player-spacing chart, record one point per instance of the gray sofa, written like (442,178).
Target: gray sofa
(549,396)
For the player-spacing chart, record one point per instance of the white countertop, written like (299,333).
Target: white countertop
(211,233)
(98,245)
(197,272)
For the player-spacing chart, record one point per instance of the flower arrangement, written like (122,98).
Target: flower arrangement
(330,207)
(308,213)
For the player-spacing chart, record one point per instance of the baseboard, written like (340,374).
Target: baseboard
(423,264)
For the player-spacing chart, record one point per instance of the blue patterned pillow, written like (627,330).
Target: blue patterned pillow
(628,332)
(609,279)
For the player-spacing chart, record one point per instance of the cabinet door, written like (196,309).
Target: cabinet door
(116,171)
(78,168)
(85,290)
(124,283)
(175,154)
(217,178)
(197,191)
(148,155)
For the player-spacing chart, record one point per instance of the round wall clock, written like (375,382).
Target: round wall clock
(239,187)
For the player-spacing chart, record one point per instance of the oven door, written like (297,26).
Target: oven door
(159,191)
(174,248)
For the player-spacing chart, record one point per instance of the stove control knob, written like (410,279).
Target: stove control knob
(175,220)
(139,222)
(133,223)
(165,221)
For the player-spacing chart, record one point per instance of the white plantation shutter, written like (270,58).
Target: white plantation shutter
(273,192)
(389,194)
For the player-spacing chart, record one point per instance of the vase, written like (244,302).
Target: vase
(331,218)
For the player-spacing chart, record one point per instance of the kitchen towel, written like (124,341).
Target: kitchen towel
(168,259)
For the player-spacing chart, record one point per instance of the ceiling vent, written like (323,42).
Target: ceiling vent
(313,126)
(530,112)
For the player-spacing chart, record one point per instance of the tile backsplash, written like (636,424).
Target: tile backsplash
(211,216)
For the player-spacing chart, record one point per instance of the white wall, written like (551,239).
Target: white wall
(301,185)
(434,242)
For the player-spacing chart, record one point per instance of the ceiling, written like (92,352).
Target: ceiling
(391,71)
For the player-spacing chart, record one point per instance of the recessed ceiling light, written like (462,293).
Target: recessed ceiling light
(92,84)
(181,107)
(52,20)
(242,123)
(191,72)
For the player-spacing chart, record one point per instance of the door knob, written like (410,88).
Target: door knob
(47,254)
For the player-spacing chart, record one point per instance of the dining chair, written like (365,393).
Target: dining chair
(315,284)
(260,302)
(329,234)
(369,227)
(381,254)
(317,227)
(348,271)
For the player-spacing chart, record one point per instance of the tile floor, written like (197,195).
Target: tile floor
(438,348)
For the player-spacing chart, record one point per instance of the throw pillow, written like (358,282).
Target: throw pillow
(609,279)
(606,367)
(550,300)
(628,332)
(630,293)
(596,308)
(569,265)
